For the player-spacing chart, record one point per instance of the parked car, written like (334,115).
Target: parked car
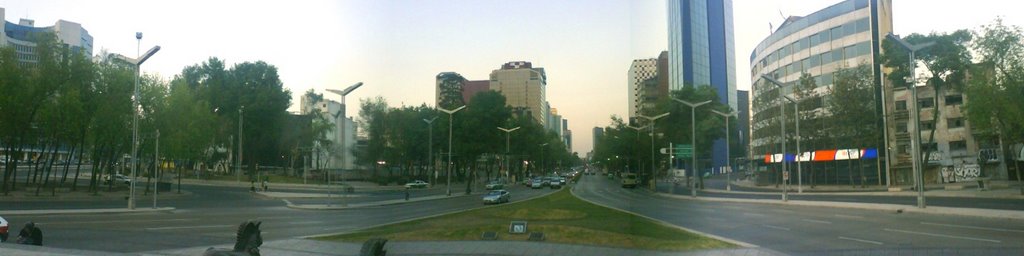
(494,185)
(537,183)
(497,197)
(555,183)
(4,227)
(416,184)
(119,178)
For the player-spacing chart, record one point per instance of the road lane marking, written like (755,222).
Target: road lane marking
(109,221)
(817,221)
(304,222)
(850,216)
(706,210)
(861,240)
(715,219)
(188,227)
(946,236)
(775,227)
(753,214)
(973,227)
(783,211)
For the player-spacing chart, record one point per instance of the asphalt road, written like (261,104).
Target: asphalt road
(211,215)
(818,230)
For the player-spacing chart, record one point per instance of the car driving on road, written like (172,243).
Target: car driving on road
(120,178)
(494,185)
(497,197)
(537,183)
(416,184)
(4,226)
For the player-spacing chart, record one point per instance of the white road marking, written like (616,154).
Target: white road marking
(973,227)
(706,210)
(305,222)
(109,221)
(715,219)
(817,221)
(850,216)
(188,227)
(783,211)
(775,227)
(861,240)
(753,214)
(941,235)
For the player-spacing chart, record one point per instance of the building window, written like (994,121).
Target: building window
(901,127)
(837,33)
(927,125)
(955,122)
(901,105)
(954,99)
(958,145)
(926,102)
(929,146)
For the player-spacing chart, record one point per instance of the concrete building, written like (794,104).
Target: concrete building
(338,155)
(473,87)
(844,35)
(23,34)
(597,134)
(449,90)
(566,135)
(524,89)
(701,52)
(743,125)
(640,72)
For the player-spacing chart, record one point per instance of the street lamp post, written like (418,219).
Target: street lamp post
(915,113)
(238,167)
(638,141)
(507,132)
(796,115)
(728,171)
(344,147)
(430,148)
(542,146)
(693,141)
(652,119)
(449,163)
(782,120)
(135,110)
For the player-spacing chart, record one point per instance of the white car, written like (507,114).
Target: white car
(4,228)
(120,178)
(417,184)
(497,197)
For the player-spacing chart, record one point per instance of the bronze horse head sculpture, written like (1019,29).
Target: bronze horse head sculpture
(247,241)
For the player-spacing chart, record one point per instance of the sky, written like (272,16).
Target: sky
(397,47)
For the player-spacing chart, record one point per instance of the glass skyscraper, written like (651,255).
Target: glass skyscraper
(701,53)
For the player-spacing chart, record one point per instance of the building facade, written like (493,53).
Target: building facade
(845,35)
(701,53)
(743,122)
(339,154)
(23,34)
(524,89)
(640,72)
(449,90)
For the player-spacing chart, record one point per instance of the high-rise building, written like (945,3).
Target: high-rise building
(473,87)
(524,89)
(23,36)
(845,35)
(701,53)
(597,133)
(449,90)
(743,123)
(566,134)
(639,72)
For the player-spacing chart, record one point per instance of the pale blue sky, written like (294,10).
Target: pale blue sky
(397,47)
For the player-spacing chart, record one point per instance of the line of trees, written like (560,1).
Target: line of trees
(67,103)
(398,147)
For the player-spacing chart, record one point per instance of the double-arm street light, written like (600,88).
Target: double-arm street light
(693,141)
(542,146)
(137,62)
(343,123)
(652,119)
(449,163)
(782,120)
(796,107)
(430,148)
(638,142)
(728,171)
(915,114)
(507,132)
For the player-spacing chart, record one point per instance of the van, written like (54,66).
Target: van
(629,180)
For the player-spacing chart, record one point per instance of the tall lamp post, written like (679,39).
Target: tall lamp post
(542,146)
(796,115)
(507,132)
(238,167)
(137,62)
(638,142)
(782,120)
(693,141)
(344,147)
(728,171)
(430,148)
(915,113)
(449,163)
(652,119)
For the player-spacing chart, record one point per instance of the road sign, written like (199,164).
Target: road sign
(785,175)
(683,150)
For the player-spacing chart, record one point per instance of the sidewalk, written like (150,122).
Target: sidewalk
(375,203)
(358,186)
(85,211)
(314,247)
(1000,189)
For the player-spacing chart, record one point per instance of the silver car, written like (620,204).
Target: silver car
(497,197)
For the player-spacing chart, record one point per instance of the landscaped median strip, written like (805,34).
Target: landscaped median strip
(83,211)
(560,216)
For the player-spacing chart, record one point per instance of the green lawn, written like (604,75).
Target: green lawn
(561,216)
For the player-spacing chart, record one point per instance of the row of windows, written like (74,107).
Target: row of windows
(956,145)
(951,123)
(810,20)
(835,33)
(929,102)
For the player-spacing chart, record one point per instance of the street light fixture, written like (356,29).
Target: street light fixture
(638,141)
(449,163)
(344,147)
(507,132)
(137,62)
(728,171)
(652,119)
(693,142)
(796,107)
(915,113)
(782,120)
(430,148)
(542,146)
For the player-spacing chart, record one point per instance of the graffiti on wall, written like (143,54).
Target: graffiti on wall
(967,172)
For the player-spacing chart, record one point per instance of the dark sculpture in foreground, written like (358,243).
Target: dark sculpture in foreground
(248,241)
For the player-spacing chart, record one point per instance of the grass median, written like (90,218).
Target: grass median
(562,218)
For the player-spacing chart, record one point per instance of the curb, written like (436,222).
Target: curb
(382,203)
(868,192)
(84,211)
(940,210)
(736,242)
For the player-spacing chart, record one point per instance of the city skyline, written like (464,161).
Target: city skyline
(397,48)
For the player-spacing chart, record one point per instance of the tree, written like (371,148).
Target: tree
(851,99)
